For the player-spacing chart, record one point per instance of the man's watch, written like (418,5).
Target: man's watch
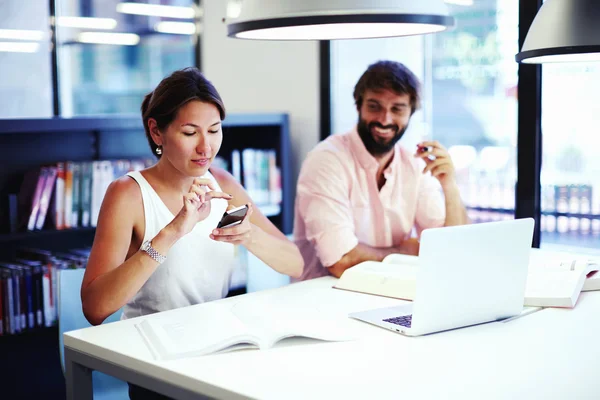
(151,251)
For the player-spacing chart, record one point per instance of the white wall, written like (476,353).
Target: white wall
(260,76)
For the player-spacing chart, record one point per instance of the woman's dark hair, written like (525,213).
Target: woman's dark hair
(172,93)
(392,76)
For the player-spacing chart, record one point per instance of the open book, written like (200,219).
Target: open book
(394,277)
(553,280)
(557,279)
(257,323)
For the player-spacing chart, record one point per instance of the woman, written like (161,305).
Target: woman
(156,247)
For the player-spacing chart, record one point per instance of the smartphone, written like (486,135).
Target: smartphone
(233,217)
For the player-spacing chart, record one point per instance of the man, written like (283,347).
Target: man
(360,194)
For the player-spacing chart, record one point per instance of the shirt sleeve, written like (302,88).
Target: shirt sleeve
(323,204)
(431,207)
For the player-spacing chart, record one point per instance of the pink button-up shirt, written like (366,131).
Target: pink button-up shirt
(338,203)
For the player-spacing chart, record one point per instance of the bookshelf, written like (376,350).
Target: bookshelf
(29,143)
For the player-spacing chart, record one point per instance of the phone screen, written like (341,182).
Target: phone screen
(233,217)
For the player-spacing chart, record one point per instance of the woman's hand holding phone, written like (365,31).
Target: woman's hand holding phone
(236,233)
(196,205)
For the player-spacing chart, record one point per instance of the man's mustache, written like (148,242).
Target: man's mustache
(378,125)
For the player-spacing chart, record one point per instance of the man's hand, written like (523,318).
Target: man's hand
(438,162)
(363,252)
(409,246)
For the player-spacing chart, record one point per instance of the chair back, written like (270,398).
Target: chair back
(70,317)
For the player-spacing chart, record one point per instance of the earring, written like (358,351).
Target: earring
(158,150)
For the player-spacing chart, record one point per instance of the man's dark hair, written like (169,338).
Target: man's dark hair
(172,93)
(390,75)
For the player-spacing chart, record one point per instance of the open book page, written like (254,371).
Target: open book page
(403,259)
(561,261)
(275,318)
(210,329)
(592,282)
(556,279)
(383,279)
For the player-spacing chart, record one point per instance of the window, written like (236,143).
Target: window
(474,103)
(469,77)
(25,67)
(111,53)
(570,176)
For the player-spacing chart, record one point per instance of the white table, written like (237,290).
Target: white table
(550,354)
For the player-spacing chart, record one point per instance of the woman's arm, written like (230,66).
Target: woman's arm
(116,270)
(263,238)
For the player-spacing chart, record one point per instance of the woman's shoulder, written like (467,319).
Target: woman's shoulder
(124,189)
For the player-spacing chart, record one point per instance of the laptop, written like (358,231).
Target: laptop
(467,275)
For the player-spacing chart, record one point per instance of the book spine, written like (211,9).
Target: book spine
(11,305)
(59,196)
(35,206)
(74,211)
(46,294)
(45,198)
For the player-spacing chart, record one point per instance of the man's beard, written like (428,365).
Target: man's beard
(378,147)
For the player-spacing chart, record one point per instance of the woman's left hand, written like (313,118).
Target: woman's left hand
(238,234)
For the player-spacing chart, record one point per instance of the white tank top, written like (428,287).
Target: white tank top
(197,269)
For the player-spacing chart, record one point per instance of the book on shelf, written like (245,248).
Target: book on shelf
(67,194)
(258,171)
(554,280)
(249,324)
(46,197)
(59,197)
(28,198)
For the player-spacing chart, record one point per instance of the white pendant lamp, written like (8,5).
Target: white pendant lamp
(338,19)
(563,31)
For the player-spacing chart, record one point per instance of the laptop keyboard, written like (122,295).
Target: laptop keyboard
(404,320)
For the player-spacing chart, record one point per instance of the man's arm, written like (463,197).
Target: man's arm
(442,168)
(456,213)
(363,252)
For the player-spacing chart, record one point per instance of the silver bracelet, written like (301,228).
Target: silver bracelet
(151,251)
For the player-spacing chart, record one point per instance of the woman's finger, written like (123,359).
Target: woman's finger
(201,193)
(190,200)
(235,239)
(250,211)
(204,182)
(217,195)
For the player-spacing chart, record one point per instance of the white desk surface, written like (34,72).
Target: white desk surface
(550,354)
